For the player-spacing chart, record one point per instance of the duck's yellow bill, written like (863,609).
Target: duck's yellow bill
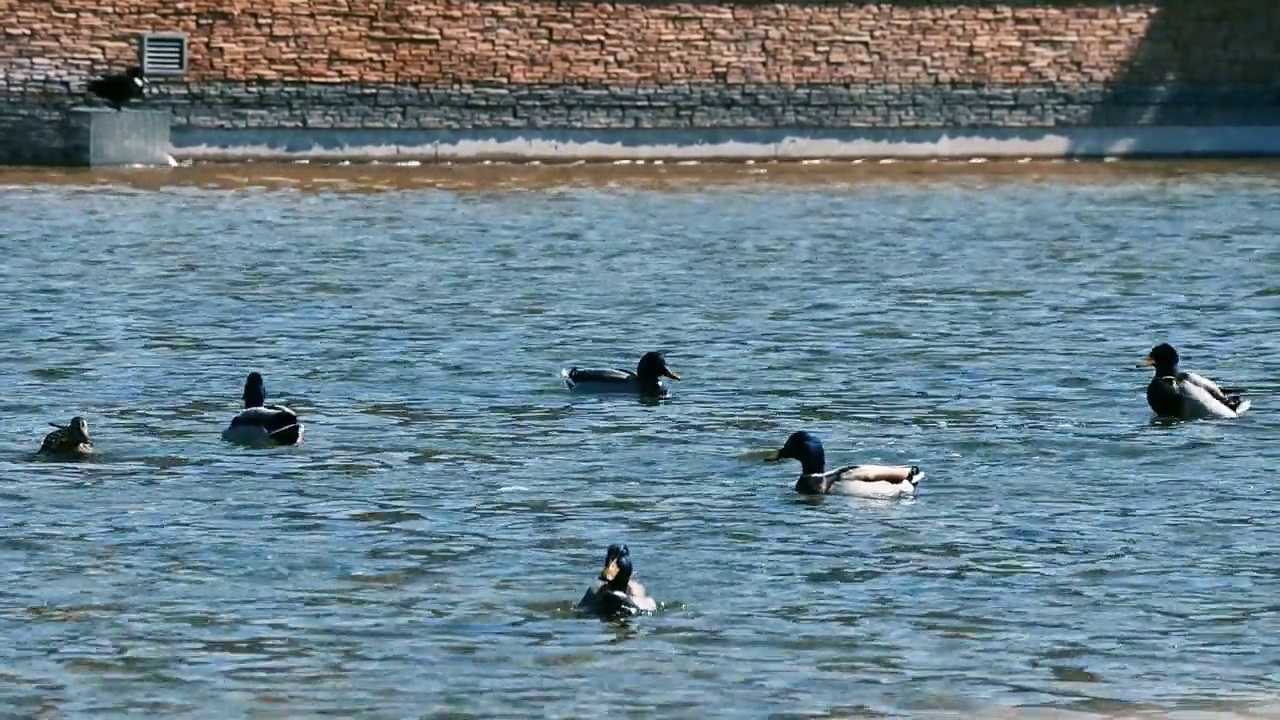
(610,571)
(1148,362)
(772,456)
(673,374)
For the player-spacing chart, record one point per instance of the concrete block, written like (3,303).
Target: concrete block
(102,136)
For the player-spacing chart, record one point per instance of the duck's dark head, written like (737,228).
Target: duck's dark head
(255,391)
(1164,358)
(77,429)
(617,568)
(652,366)
(805,447)
(139,78)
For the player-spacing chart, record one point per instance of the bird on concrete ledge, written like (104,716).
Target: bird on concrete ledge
(120,88)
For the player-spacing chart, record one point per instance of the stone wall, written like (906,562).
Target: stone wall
(442,64)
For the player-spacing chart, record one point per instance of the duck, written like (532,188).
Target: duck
(120,88)
(645,381)
(70,440)
(260,424)
(1174,393)
(615,594)
(866,480)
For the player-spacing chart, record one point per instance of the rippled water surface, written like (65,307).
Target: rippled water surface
(421,552)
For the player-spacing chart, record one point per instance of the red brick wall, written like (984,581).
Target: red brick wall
(652,64)
(441,42)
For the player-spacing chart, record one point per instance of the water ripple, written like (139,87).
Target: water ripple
(420,554)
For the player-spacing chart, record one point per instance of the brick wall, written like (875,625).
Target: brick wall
(446,42)
(524,42)
(648,63)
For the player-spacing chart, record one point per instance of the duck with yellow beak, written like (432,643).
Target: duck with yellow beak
(646,381)
(1181,394)
(616,594)
(864,480)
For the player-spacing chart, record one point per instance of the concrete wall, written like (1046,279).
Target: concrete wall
(298,70)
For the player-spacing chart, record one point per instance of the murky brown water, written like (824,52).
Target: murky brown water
(686,175)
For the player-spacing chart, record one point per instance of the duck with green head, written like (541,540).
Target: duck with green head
(865,480)
(260,424)
(1182,394)
(646,381)
(615,594)
(70,440)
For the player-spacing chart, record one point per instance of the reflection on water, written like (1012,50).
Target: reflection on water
(421,552)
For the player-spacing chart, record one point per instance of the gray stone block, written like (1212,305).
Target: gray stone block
(101,136)
(31,113)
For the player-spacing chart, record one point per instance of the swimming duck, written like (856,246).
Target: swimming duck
(260,424)
(615,593)
(1185,395)
(120,88)
(869,480)
(70,440)
(646,380)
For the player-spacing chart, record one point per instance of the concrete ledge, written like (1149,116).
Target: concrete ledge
(102,136)
(719,144)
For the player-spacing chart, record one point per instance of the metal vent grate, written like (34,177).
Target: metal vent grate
(163,54)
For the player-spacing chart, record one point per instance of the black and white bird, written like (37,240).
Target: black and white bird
(261,424)
(119,89)
(1182,394)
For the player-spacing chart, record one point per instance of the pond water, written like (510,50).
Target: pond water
(421,552)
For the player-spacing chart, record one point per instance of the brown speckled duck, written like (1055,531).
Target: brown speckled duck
(70,440)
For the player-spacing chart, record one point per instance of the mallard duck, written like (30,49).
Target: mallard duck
(70,440)
(120,88)
(615,594)
(260,424)
(646,380)
(1185,395)
(869,480)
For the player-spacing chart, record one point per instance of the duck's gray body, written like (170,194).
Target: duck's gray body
(595,381)
(600,600)
(865,480)
(264,426)
(1187,396)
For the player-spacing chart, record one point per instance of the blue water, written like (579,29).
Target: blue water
(421,551)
